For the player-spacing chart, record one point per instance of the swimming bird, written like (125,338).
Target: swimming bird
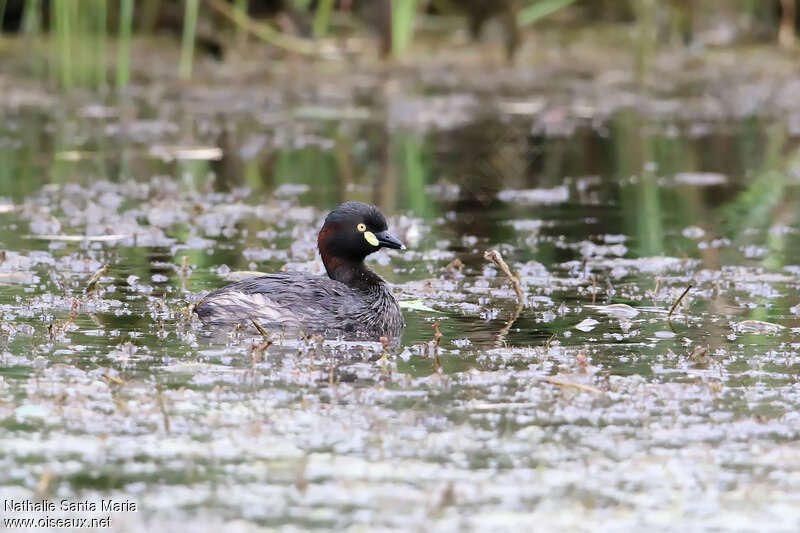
(353,302)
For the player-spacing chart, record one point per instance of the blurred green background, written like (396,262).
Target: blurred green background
(92,43)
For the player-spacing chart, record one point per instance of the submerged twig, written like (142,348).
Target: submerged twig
(505,329)
(260,329)
(384,355)
(437,335)
(45,485)
(698,353)
(301,481)
(579,386)
(549,342)
(186,312)
(113,379)
(454,267)
(257,349)
(437,339)
(262,31)
(186,268)
(162,406)
(678,301)
(90,287)
(495,257)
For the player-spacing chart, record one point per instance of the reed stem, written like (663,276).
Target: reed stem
(538,10)
(189,34)
(403,12)
(2,14)
(62,59)
(240,7)
(100,43)
(263,31)
(322,18)
(124,43)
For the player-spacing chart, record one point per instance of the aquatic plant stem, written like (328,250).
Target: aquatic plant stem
(2,14)
(539,10)
(403,12)
(384,356)
(322,18)
(647,35)
(678,301)
(90,287)
(31,17)
(79,37)
(579,386)
(495,257)
(257,349)
(240,7)
(31,29)
(262,31)
(113,379)
(186,268)
(63,55)
(261,330)
(149,16)
(101,40)
(124,43)
(500,337)
(188,40)
(786,32)
(162,406)
(437,339)
(45,485)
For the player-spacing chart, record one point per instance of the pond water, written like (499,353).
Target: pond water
(589,404)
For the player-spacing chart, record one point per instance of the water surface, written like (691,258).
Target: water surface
(565,412)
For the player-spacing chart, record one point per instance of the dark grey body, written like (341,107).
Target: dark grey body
(296,302)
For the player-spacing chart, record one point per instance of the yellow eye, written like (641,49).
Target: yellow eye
(361,227)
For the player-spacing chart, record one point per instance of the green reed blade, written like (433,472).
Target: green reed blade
(30,17)
(124,43)
(79,36)
(149,16)
(31,29)
(403,12)
(322,18)
(63,52)
(2,13)
(538,10)
(101,40)
(188,41)
(240,6)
